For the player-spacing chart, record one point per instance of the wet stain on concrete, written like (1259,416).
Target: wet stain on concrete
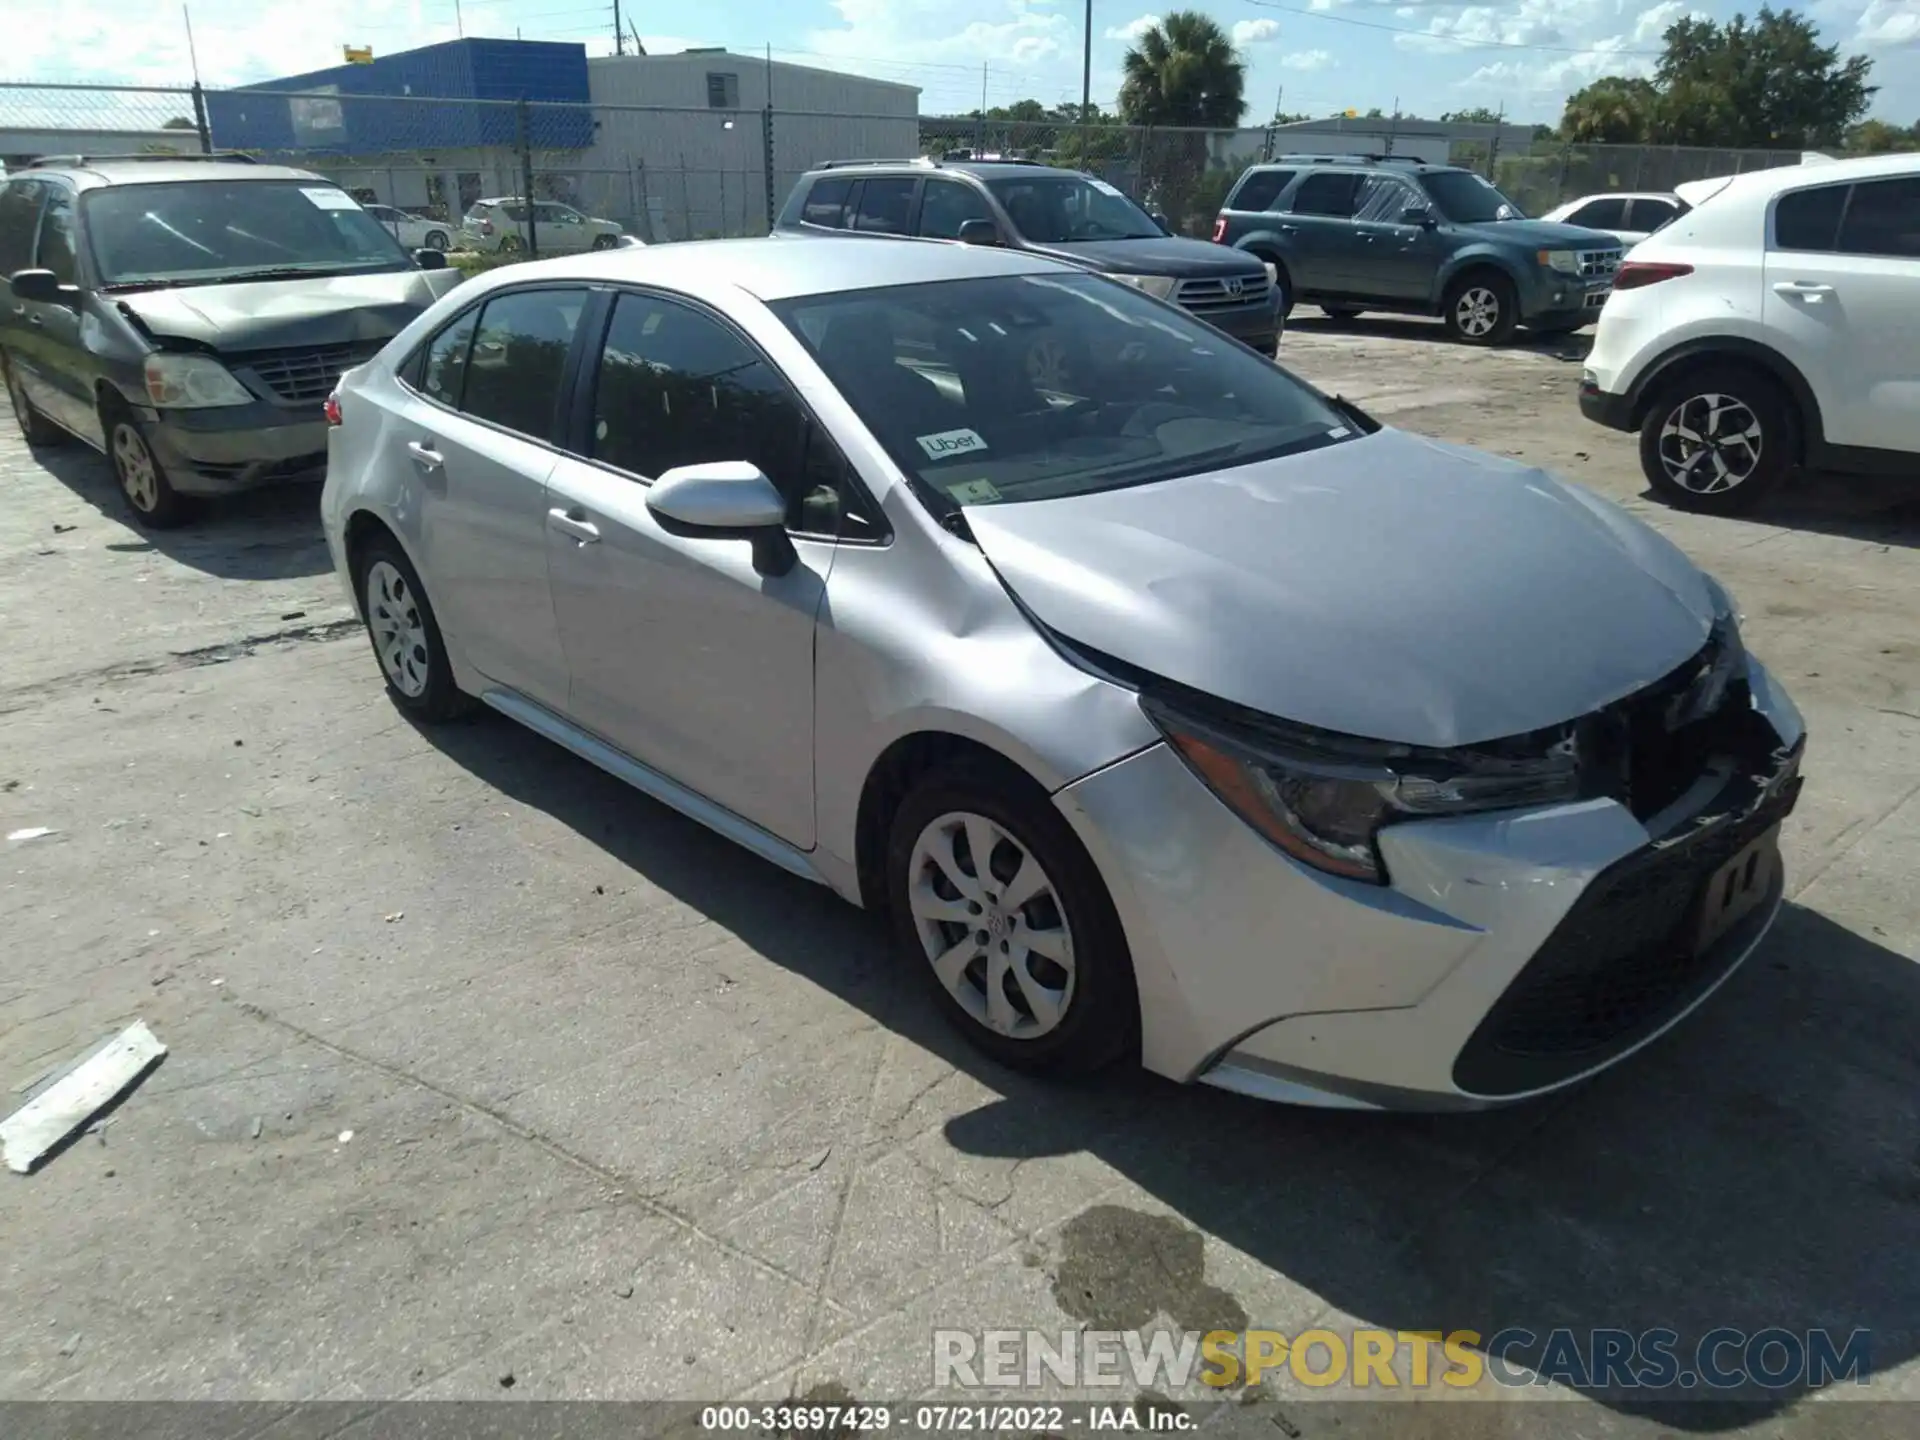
(1119,1268)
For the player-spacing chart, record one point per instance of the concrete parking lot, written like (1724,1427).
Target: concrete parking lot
(489,1075)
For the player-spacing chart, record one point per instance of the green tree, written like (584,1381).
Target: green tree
(1183,71)
(1768,82)
(1613,110)
(178,122)
(1877,137)
(1478,115)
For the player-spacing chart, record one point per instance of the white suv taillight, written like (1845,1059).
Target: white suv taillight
(1633,274)
(332,408)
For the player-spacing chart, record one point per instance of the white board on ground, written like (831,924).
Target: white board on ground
(63,1107)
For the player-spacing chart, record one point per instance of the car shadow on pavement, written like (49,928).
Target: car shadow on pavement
(1568,347)
(1757,1169)
(270,534)
(1876,509)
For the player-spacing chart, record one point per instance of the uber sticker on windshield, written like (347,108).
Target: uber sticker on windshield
(949,443)
(330,198)
(973,492)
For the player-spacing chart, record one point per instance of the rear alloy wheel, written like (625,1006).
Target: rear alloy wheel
(405,635)
(1004,912)
(1717,442)
(35,428)
(156,505)
(1480,309)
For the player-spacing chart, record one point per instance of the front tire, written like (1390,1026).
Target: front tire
(405,634)
(437,240)
(999,906)
(605,242)
(1718,440)
(38,431)
(1481,309)
(144,483)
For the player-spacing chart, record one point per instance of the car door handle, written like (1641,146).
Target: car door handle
(423,452)
(574,523)
(1288,229)
(1809,289)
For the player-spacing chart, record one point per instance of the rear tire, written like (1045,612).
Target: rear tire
(1481,308)
(405,634)
(437,240)
(511,245)
(1341,314)
(605,242)
(144,483)
(1022,948)
(39,432)
(1719,439)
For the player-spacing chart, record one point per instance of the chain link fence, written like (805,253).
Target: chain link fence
(665,173)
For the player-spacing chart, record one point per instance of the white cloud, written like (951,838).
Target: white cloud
(1133,29)
(1307,60)
(1889,22)
(1254,32)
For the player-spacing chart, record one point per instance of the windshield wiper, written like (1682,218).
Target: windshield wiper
(281,272)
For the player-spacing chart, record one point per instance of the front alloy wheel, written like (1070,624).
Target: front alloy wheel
(992,927)
(150,494)
(1481,309)
(1718,442)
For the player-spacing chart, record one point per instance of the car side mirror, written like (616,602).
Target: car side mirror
(1166,225)
(1418,215)
(726,499)
(43,287)
(428,259)
(979,232)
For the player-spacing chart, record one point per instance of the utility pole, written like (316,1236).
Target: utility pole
(1086,66)
(1393,126)
(980,130)
(459,25)
(619,33)
(1493,145)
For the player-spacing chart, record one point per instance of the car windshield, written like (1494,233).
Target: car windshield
(1056,209)
(1466,199)
(208,231)
(1032,387)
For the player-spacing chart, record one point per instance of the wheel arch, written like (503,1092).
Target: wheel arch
(1264,248)
(1723,350)
(362,527)
(1467,263)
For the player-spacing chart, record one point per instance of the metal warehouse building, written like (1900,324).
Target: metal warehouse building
(672,146)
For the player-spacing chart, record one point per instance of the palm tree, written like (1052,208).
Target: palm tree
(1613,110)
(1183,71)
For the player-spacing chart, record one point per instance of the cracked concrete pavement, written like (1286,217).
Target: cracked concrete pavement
(634,1115)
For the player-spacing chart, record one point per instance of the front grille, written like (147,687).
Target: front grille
(305,376)
(1622,962)
(1222,292)
(1633,752)
(1599,264)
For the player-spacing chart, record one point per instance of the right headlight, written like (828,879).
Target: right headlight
(1567,262)
(1324,798)
(1158,286)
(192,382)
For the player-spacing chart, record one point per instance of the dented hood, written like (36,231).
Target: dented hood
(268,314)
(1389,587)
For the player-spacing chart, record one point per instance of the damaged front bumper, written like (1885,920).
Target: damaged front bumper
(1511,953)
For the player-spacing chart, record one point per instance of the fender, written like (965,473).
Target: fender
(1731,347)
(1481,256)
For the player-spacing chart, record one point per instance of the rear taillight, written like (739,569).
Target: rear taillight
(1219,228)
(486,227)
(332,408)
(1633,274)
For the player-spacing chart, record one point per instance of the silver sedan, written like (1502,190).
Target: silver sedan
(1166,706)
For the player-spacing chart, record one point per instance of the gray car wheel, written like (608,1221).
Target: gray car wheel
(1481,309)
(149,493)
(35,428)
(437,240)
(405,634)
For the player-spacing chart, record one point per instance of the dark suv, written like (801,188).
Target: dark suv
(190,315)
(1063,214)
(1371,232)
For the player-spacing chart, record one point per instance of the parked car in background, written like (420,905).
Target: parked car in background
(188,315)
(1771,326)
(1184,712)
(413,231)
(1371,232)
(1627,216)
(501,226)
(1024,205)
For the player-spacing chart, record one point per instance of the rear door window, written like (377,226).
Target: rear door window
(884,205)
(1650,215)
(1260,189)
(1330,192)
(1607,214)
(1808,220)
(519,358)
(1883,218)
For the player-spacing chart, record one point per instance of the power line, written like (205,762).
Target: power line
(1450,39)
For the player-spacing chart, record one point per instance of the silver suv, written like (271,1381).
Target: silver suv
(502,226)
(1178,709)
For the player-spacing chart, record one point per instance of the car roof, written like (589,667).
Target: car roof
(1396,166)
(110,170)
(777,268)
(1765,184)
(1619,195)
(985,169)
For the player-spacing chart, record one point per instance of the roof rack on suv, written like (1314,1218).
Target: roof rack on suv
(1347,160)
(895,160)
(239,157)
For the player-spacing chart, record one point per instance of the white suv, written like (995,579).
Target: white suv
(1771,326)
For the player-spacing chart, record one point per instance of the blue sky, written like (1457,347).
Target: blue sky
(1316,55)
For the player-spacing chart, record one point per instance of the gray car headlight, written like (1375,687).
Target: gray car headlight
(1323,799)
